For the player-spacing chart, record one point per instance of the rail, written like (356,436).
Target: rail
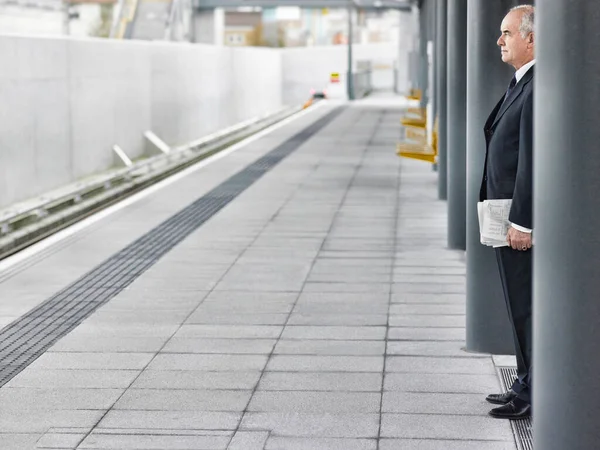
(27,222)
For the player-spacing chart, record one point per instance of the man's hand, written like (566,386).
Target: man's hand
(518,240)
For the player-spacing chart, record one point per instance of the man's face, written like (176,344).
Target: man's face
(516,50)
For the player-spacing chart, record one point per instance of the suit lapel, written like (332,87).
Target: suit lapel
(491,118)
(513,96)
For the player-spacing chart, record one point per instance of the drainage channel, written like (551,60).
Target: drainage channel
(522,429)
(26,339)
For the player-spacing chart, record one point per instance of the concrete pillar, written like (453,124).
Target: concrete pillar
(350,73)
(415,47)
(488,328)
(566,365)
(209,26)
(441,97)
(457,124)
(423,34)
(403,63)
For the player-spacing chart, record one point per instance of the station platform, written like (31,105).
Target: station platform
(292,293)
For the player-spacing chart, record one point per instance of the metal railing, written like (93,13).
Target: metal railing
(17,220)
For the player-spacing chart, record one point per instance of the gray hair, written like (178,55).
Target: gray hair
(526,26)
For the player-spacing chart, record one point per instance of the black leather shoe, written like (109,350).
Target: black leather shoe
(517,409)
(502,399)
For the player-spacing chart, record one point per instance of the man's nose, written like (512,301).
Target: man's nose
(500,41)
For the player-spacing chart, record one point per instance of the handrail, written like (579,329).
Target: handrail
(74,193)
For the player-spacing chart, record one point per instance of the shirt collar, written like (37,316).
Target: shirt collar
(523,70)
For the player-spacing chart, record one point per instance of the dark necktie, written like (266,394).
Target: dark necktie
(511,86)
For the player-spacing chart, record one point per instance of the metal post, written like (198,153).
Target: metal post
(488,328)
(423,60)
(457,124)
(566,286)
(441,75)
(350,62)
(66,5)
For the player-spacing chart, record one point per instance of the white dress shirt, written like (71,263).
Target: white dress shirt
(519,74)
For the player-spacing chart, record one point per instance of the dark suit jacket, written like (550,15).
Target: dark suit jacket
(508,169)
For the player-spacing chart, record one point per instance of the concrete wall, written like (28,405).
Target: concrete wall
(306,68)
(65,103)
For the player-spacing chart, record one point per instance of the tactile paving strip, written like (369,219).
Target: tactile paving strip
(522,429)
(24,340)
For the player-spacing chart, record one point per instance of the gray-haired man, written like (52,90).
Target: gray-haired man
(508,174)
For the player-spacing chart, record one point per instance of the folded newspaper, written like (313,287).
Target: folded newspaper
(493,221)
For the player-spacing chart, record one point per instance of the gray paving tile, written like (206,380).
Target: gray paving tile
(19,441)
(325,262)
(193,379)
(182,400)
(484,384)
(315,402)
(228,346)
(170,420)
(90,331)
(338,319)
(195,284)
(319,425)
(432,277)
(327,267)
(92,361)
(102,344)
(430,348)
(293,363)
(99,440)
(423,287)
(139,317)
(416,364)
(439,444)
(132,297)
(413,309)
(435,403)
(329,347)
(349,252)
(423,426)
(39,421)
(349,278)
(187,361)
(426,334)
(249,302)
(248,440)
(49,399)
(427,270)
(288,443)
(235,319)
(230,331)
(334,332)
(321,381)
(415,298)
(342,307)
(347,287)
(428,321)
(341,298)
(61,440)
(70,379)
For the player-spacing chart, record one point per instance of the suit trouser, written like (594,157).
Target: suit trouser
(516,270)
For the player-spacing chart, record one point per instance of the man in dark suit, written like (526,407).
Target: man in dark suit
(508,174)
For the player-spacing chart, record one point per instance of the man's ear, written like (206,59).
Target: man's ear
(530,39)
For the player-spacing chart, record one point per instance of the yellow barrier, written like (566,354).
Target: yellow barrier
(416,146)
(415,94)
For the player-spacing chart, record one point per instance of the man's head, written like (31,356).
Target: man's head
(516,40)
